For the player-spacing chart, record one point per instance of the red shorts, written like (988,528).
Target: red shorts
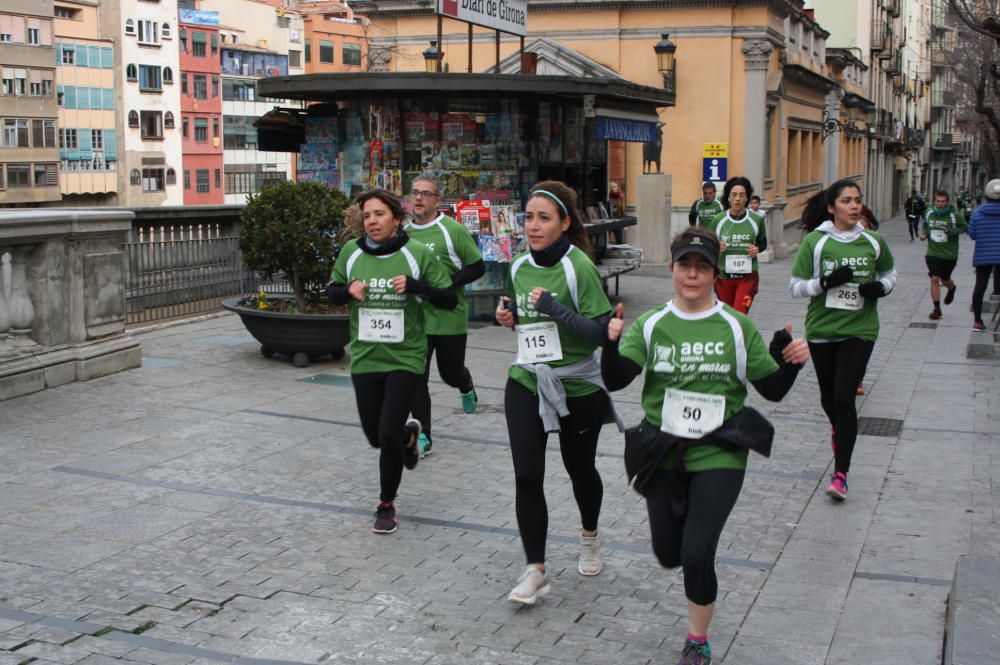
(738,292)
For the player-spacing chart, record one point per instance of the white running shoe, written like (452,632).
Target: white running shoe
(590,556)
(531,585)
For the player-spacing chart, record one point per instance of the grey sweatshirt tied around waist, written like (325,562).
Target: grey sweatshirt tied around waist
(552,394)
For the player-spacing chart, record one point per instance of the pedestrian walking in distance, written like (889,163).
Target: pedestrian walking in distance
(984,228)
(689,454)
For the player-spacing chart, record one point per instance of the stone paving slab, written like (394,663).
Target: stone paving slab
(215,506)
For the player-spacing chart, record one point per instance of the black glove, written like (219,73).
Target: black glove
(872,290)
(841,275)
(780,340)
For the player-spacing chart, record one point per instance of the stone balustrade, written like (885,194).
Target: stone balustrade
(62,298)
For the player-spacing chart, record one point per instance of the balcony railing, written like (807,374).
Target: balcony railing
(943,141)
(895,64)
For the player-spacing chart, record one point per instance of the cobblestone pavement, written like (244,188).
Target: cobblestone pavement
(214,506)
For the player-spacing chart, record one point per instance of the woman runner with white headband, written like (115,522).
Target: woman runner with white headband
(556,304)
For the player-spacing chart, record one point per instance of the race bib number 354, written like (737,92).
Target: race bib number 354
(383,326)
(845,296)
(691,415)
(538,343)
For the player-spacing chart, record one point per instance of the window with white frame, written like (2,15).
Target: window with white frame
(129,28)
(97,139)
(33,36)
(148,32)
(15,133)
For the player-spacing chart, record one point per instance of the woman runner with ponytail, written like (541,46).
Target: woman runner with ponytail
(557,306)
(843,269)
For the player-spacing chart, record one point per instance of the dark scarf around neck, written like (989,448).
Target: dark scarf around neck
(552,254)
(388,247)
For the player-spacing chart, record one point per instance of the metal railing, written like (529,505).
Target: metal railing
(167,279)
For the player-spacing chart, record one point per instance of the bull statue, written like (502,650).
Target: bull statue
(651,150)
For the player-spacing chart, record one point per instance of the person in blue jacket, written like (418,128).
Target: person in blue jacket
(984,228)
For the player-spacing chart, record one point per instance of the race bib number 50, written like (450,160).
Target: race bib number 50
(691,415)
(384,326)
(538,343)
(845,296)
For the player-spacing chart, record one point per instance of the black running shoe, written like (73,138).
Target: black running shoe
(949,297)
(411,449)
(385,519)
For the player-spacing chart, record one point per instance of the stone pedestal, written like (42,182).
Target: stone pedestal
(777,245)
(653,230)
(62,296)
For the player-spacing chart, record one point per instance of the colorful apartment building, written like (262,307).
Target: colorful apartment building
(147,83)
(201,107)
(85,82)
(29,154)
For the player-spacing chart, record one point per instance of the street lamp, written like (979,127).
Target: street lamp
(665,50)
(432,57)
(856,109)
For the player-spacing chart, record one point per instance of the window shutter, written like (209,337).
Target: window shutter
(110,146)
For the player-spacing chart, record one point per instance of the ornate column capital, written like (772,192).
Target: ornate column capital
(758,53)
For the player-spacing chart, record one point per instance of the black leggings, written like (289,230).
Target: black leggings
(578,445)
(913,223)
(982,281)
(451,367)
(691,540)
(383,404)
(840,367)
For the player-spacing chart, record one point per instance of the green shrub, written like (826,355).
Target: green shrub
(291,230)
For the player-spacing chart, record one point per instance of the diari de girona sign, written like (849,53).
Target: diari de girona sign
(504,15)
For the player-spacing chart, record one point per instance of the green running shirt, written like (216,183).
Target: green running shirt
(706,212)
(820,254)
(382,311)
(573,282)
(942,228)
(455,248)
(711,353)
(739,235)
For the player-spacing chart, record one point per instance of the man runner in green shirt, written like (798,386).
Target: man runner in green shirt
(447,330)
(704,210)
(940,229)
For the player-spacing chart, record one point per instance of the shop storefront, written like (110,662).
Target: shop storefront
(487,138)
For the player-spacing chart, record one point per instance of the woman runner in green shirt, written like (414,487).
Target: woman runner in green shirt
(557,306)
(698,354)
(382,278)
(843,269)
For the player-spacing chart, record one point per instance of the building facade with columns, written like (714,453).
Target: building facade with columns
(742,80)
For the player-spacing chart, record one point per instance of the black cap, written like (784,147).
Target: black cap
(695,244)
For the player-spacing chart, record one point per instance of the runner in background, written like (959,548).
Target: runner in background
(557,306)
(698,355)
(704,210)
(447,330)
(742,236)
(942,226)
(382,278)
(843,269)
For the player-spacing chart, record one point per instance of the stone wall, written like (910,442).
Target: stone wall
(62,298)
